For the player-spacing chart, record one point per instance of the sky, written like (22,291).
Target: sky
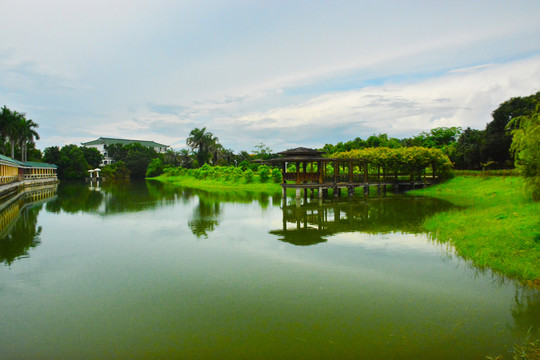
(281,73)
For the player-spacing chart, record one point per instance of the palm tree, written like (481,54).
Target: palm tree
(5,118)
(27,134)
(14,129)
(186,161)
(204,142)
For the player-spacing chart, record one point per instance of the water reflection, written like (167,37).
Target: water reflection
(19,231)
(260,293)
(205,218)
(526,312)
(312,222)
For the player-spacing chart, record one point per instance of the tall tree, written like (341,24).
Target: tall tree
(526,147)
(498,137)
(27,134)
(205,144)
(13,129)
(5,118)
(468,150)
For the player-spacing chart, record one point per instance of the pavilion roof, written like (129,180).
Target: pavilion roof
(300,154)
(301,151)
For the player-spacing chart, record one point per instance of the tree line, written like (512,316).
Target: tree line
(468,149)
(492,148)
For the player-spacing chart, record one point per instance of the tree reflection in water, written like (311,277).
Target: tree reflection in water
(205,218)
(310,222)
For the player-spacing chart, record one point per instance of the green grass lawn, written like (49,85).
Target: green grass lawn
(219,184)
(496,226)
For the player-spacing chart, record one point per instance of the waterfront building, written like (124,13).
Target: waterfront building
(102,142)
(16,175)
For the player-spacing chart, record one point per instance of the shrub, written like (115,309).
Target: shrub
(264,173)
(277,176)
(248,175)
(155,168)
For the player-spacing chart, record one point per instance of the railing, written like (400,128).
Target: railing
(9,179)
(38,176)
(302,177)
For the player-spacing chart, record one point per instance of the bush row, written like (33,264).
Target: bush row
(228,173)
(402,160)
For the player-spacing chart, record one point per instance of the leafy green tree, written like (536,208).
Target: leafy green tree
(204,143)
(155,168)
(52,155)
(262,152)
(117,171)
(172,158)
(138,158)
(498,136)
(71,161)
(26,134)
(186,160)
(468,153)
(264,173)
(526,147)
(118,152)
(93,156)
(73,165)
(439,138)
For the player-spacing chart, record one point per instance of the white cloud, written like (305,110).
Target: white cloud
(458,98)
(280,73)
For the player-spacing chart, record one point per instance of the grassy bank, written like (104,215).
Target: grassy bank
(220,184)
(497,226)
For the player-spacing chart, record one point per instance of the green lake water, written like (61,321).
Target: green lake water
(146,271)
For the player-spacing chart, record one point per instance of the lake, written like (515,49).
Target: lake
(145,270)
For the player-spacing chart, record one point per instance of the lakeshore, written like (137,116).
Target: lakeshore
(497,226)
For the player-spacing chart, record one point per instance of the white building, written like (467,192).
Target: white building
(102,142)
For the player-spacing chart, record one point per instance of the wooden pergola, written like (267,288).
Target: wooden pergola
(311,173)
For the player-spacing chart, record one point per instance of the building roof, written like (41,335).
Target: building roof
(35,164)
(6,159)
(30,164)
(110,141)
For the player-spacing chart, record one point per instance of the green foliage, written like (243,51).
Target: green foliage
(277,176)
(263,152)
(380,140)
(439,138)
(71,162)
(116,172)
(218,177)
(402,160)
(526,148)
(468,149)
(248,175)
(135,156)
(155,168)
(264,173)
(118,152)
(18,131)
(203,142)
(498,137)
(92,156)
